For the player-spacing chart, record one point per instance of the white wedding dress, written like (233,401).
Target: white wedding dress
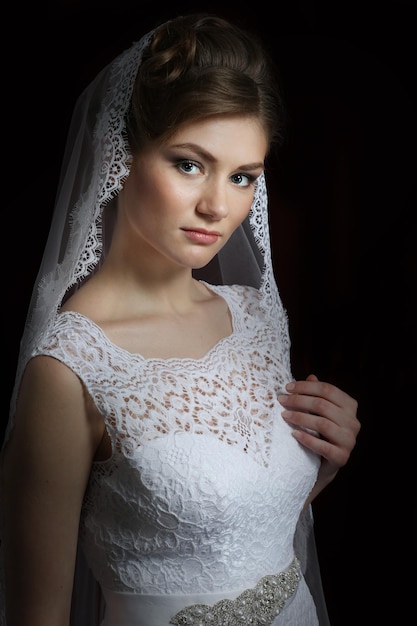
(203,491)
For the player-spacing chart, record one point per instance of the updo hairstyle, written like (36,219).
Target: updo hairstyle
(199,66)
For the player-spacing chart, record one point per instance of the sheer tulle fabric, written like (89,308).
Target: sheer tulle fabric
(96,163)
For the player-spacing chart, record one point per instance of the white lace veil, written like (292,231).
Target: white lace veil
(95,164)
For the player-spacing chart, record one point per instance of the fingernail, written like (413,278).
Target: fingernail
(290,386)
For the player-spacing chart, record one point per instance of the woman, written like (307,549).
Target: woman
(155,424)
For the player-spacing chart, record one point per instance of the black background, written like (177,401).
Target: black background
(343,227)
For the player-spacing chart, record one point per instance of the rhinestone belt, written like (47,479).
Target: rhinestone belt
(257,606)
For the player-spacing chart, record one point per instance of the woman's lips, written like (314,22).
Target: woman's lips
(201,236)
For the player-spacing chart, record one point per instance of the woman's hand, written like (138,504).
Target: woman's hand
(325,421)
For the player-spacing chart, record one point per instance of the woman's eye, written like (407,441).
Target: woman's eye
(242,180)
(188,167)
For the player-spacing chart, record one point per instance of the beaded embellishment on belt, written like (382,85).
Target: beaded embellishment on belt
(257,606)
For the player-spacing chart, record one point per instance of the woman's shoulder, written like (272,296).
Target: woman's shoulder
(240,293)
(245,305)
(70,324)
(69,335)
(242,299)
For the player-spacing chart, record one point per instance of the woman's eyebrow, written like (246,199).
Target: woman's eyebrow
(202,153)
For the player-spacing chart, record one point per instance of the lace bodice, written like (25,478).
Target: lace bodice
(205,483)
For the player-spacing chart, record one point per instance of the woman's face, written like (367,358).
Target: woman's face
(183,199)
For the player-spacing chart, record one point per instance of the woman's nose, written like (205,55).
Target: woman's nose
(213,201)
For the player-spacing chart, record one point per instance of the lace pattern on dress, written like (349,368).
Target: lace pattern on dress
(223,394)
(199,493)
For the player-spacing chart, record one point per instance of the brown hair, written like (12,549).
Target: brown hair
(198,66)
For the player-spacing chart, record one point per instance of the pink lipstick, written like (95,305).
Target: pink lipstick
(201,236)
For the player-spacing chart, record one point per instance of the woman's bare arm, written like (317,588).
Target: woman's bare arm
(45,470)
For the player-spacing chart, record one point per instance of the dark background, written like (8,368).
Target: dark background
(343,227)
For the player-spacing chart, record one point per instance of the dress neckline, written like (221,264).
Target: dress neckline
(219,290)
